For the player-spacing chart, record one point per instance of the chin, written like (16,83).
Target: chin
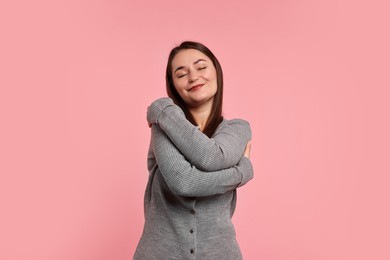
(201,101)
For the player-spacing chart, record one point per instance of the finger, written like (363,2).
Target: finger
(248,150)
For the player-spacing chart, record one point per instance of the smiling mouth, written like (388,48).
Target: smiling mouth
(196,87)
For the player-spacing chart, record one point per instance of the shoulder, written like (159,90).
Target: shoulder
(235,125)
(157,133)
(236,122)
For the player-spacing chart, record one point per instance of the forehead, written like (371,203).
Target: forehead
(188,57)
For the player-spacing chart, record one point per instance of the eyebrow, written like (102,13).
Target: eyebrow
(195,62)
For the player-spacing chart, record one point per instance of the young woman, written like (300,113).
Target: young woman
(196,161)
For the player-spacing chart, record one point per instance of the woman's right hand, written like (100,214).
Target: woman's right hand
(247,152)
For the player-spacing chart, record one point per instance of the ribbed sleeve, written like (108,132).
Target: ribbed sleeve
(222,151)
(186,180)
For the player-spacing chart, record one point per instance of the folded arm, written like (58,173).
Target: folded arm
(223,150)
(186,180)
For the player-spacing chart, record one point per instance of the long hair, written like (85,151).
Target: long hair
(215,117)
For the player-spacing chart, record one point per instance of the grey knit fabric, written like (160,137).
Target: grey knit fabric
(191,192)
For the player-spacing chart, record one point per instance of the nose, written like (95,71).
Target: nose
(193,77)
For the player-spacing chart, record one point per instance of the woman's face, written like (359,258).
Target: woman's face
(194,77)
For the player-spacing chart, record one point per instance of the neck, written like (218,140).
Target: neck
(201,113)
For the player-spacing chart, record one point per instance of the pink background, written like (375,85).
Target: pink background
(312,77)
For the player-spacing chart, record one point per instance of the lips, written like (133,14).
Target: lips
(196,87)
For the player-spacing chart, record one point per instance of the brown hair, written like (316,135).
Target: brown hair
(215,117)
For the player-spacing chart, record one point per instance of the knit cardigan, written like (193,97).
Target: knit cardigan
(191,194)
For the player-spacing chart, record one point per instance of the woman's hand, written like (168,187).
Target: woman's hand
(247,152)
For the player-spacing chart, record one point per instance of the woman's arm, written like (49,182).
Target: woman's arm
(186,180)
(222,151)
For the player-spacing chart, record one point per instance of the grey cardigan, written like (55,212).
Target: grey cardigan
(191,196)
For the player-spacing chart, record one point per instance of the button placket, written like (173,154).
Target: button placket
(192,231)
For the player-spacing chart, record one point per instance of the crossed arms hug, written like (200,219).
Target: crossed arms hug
(193,164)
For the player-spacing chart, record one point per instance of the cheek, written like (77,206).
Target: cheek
(178,85)
(212,75)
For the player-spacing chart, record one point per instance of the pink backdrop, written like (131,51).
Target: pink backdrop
(312,77)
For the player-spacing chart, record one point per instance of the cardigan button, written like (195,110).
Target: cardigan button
(191,231)
(192,251)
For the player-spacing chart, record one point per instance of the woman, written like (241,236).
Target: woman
(196,160)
